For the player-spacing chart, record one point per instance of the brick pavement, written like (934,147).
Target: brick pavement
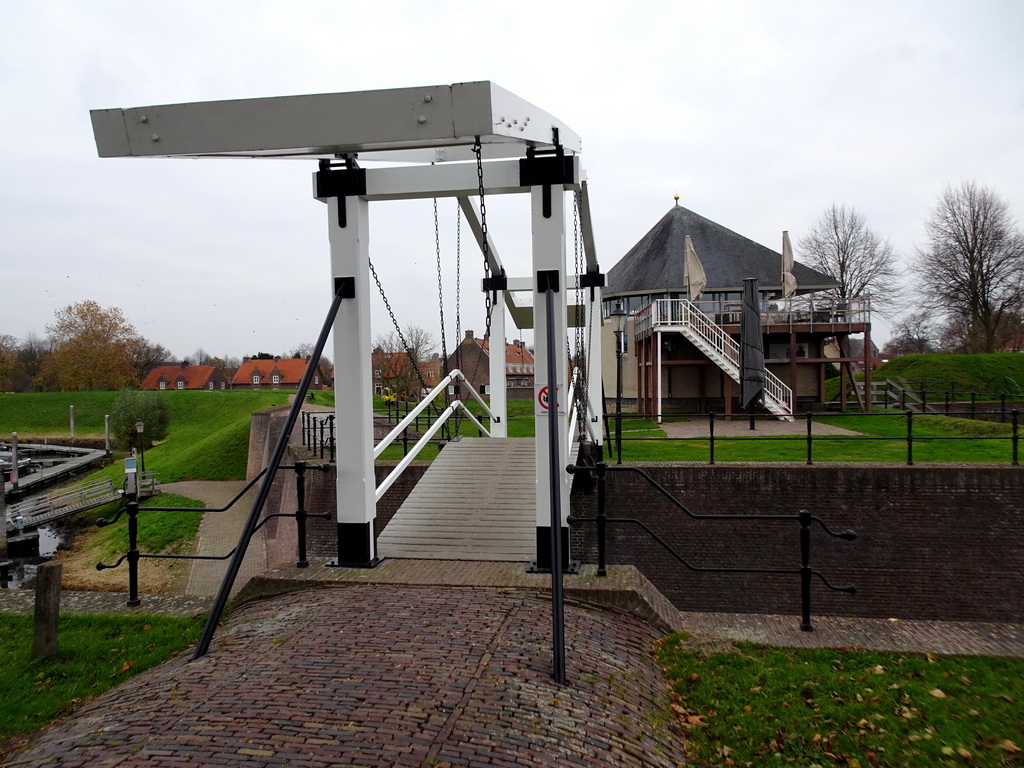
(382,675)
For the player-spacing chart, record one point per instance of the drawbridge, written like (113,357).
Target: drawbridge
(475,502)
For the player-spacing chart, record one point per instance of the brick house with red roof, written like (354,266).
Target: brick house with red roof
(185,376)
(275,374)
(393,373)
(472,357)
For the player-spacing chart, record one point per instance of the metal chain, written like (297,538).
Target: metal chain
(401,336)
(440,293)
(582,350)
(486,248)
(485,245)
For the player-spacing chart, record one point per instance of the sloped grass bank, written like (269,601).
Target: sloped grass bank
(757,705)
(95,654)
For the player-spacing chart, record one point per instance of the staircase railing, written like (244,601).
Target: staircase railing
(455,375)
(710,338)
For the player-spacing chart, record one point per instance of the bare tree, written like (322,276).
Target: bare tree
(200,357)
(914,334)
(395,364)
(302,351)
(842,246)
(973,263)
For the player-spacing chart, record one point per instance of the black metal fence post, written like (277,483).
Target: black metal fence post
(810,439)
(602,522)
(1013,440)
(972,405)
(805,571)
(300,513)
(711,437)
(910,437)
(1002,407)
(330,421)
(132,508)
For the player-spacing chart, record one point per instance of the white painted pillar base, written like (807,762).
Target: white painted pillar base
(353,385)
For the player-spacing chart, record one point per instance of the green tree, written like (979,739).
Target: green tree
(133,406)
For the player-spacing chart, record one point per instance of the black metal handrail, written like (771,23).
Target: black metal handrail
(804,518)
(132,506)
(318,434)
(810,438)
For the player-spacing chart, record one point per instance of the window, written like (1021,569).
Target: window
(210,386)
(223,385)
(163,385)
(276,379)
(181,384)
(316,379)
(255,378)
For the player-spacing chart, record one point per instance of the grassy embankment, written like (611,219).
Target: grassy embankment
(1002,372)
(754,705)
(95,654)
(208,440)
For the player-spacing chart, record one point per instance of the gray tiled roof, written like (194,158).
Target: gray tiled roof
(656,262)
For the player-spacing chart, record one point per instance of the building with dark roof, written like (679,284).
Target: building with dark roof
(673,361)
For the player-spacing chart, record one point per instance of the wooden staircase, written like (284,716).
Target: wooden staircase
(475,502)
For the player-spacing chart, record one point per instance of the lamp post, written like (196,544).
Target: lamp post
(140,427)
(619,317)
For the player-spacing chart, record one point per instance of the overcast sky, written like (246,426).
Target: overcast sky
(759,114)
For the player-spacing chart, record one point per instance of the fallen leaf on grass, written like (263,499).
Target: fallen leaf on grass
(1008,746)
(937,693)
(127,665)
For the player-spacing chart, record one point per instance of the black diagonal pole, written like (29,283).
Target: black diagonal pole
(554,470)
(344,288)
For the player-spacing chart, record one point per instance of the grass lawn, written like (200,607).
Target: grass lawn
(882,439)
(759,706)
(95,654)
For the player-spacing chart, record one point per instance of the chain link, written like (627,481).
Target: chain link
(401,336)
(440,293)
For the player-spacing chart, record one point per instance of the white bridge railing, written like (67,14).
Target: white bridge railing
(432,430)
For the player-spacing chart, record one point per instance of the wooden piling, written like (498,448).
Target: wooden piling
(44,641)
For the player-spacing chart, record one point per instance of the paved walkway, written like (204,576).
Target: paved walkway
(444,663)
(385,675)
(219,532)
(740,427)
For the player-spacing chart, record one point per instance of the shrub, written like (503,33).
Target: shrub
(132,406)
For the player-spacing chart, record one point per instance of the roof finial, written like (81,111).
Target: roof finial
(676,198)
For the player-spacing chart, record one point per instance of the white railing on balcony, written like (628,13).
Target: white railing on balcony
(687,318)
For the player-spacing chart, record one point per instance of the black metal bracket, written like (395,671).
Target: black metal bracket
(334,181)
(546,168)
(592,280)
(495,283)
(547,279)
(345,287)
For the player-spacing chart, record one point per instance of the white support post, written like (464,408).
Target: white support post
(549,255)
(498,391)
(353,384)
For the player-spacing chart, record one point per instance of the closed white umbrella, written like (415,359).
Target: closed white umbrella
(788,281)
(695,277)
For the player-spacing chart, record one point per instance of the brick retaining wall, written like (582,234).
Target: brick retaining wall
(933,542)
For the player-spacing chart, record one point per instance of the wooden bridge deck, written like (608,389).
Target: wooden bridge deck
(476,502)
